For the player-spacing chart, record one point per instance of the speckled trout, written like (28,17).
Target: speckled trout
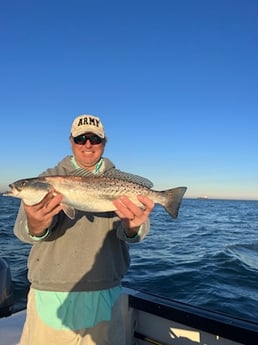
(95,193)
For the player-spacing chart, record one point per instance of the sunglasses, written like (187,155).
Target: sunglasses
(82,139)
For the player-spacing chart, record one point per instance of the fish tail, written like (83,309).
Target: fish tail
(172,200)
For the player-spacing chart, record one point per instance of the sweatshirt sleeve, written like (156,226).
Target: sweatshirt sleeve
(141,234)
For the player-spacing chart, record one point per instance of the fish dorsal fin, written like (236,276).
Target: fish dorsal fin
(125,176)
(116,174)
(82,172)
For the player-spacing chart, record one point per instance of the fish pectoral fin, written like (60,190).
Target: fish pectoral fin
(69,211)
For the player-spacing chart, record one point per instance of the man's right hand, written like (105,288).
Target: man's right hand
(39,216)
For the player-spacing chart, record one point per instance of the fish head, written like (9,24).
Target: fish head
(31,190)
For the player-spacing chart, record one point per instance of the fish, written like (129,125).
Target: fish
(84,191)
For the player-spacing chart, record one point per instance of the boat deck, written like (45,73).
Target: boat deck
(11,327)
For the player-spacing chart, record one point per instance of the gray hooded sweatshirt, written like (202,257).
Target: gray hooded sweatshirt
(87,253)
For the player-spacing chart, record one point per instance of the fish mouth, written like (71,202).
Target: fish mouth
(13,189)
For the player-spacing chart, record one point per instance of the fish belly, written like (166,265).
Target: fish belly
(94,202)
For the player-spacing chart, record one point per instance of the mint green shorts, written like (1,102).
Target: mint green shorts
(36,331)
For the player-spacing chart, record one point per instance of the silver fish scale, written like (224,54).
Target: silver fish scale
(113,187)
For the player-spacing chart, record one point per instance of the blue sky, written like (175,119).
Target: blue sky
(174,82)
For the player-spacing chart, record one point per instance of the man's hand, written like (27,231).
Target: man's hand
(39,216)
(132,215)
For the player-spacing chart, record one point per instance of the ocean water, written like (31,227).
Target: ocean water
(207,257)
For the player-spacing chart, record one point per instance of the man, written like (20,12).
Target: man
(76,265)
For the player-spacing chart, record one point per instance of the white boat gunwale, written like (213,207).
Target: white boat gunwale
(219,324)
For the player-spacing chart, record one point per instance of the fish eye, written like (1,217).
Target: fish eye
(23,183)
